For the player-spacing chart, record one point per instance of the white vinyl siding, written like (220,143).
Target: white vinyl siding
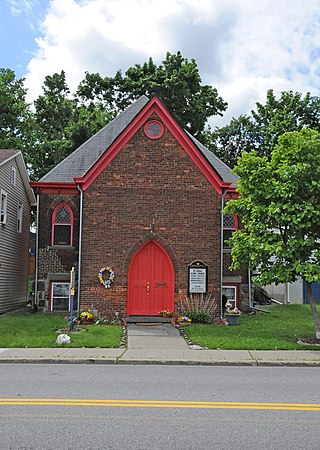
(14,246)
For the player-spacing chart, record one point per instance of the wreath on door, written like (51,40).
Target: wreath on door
(106,282)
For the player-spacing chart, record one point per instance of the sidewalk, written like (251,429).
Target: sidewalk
(160,344)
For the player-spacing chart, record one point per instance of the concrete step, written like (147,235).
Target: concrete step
(147,319)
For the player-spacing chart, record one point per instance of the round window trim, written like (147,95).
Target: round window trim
(153,129)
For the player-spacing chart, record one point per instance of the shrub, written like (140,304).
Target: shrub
(199,316)
(200,308)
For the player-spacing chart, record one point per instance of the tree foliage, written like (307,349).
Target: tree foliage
(59,125)
(229,142)
(260,130)
(176,82)
(61,121)
(280,211)
(13,110)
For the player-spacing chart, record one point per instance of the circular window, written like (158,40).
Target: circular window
(153,129)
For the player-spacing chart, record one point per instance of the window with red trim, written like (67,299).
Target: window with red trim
(153,129)
(230,295)
(60,296)
(62,225)
(230,224)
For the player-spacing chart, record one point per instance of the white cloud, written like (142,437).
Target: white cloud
(242,47)
(18,7)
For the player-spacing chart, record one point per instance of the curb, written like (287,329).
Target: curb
(119,361)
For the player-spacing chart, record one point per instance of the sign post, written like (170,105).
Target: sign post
(72,290)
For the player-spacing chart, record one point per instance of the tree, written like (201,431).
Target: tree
(260,130)
(229,142)
(280,211)
(49,142)
(61,122)
(291,112)
(59,125)
(176,82)
(13,110)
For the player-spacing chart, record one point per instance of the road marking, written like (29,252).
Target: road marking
(160,404)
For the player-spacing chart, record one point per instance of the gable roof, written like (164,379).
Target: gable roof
(9,154)
(223,170)
(84,157)
(92,156)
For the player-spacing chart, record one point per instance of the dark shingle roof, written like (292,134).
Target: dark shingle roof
(221,168)
(84,157)
(7,154)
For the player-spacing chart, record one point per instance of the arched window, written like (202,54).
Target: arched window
(230,224)
(62,225)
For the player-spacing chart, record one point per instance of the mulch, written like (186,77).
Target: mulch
(67,330)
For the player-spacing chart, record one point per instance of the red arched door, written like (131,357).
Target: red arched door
(150,281)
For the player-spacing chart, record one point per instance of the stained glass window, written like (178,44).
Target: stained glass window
(62,225)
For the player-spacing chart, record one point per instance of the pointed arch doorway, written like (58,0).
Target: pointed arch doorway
(150,281)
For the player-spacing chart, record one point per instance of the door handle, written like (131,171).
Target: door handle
(148,287)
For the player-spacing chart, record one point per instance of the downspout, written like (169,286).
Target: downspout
(37,258)
(221,252)
(80,247)
(249,286)
(287,293)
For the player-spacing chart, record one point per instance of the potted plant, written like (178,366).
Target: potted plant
(85,317)
(183,321)
(232,314)
(166,313)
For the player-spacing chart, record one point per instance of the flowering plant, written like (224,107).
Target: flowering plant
(231,310)
(166,313)
(85,315)
(183,319)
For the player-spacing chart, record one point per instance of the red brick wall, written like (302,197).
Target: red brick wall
(55,259)
(148,182)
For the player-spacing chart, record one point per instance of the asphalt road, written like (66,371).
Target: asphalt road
(158,407)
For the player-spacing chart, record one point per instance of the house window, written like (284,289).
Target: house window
(19,217)
(60,294)
(230,295)
(230,224)
(13,176)
(62,225)
(3,207)
(153,129)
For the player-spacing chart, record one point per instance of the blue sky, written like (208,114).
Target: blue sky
(242,47)
(20,25)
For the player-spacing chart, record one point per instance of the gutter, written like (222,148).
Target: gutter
(37,258)
(221,251)
(80,247)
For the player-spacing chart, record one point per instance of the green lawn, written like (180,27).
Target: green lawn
(278,330)
(40,330)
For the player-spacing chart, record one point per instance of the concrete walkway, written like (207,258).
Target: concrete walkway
(159,344)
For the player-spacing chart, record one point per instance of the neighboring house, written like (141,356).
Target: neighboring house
(295,292)
(136,210)
(16,199)
(287,292)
